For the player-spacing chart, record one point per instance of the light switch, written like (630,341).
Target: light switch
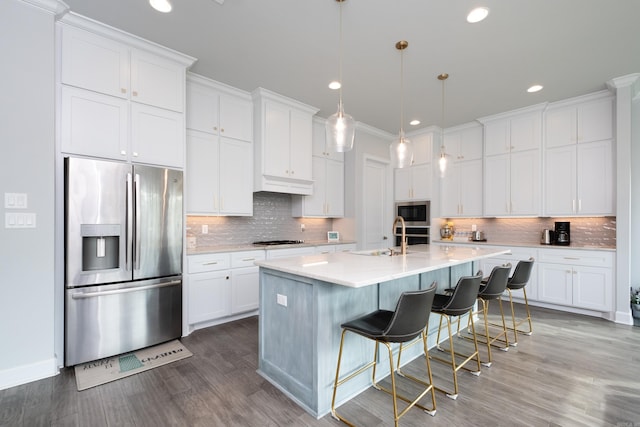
(19,220)
(15,200)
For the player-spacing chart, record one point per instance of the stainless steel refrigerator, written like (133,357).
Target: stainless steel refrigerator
(123,256)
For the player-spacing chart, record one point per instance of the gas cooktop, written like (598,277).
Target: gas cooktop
(278,242)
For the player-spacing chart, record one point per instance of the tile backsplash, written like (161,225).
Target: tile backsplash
(271,220)
(592,231)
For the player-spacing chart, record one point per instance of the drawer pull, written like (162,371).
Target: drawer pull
(572,258)
(248,259)
(210,263)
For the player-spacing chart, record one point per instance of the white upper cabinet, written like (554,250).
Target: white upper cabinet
(219,149)
(413,183)
(512,150)
(216,108)
(461,194)
(327,200)
(587,119)
(121,97)
(283,133)
(579,161)
(104,65)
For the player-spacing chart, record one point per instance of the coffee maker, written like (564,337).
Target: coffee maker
(562,233)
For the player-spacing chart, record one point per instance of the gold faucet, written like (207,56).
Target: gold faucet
(403,242)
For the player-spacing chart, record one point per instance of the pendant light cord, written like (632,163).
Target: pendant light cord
(401,93)
(340,50)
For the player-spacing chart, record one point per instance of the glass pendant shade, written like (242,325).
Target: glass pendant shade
(442,163)
(401,152)
(340,131)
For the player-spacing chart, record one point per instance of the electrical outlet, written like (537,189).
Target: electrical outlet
(281,299)
(205,229)
(302,227)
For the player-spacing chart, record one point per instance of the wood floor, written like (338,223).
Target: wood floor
(573,371)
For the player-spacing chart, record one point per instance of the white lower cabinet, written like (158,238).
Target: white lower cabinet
(582,279)
(222,284)
(517,254)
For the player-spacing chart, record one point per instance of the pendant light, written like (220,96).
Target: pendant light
(442,162)
(400,150)
(340,127)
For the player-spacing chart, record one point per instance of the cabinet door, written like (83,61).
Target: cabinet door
(496,186)
(595,120)
(470,181)
(555,283)
(525,132)
(560,181)
(202,173)
(496,137)
(450,196)
(592,288)
(560,127)
(236,177)
(315,204)
(93,62)
(470,144)
(421,181)
(202,108)
(525,183)
(157,81)
(157,136)
(595,189)
(93,124)
(245,289)
(209,296)
(300,145)
(276,140)
(402,184)
(334,189)
(319,143)
(236,118)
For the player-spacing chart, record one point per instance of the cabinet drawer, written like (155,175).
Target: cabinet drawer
(572,257)
(246,259)
(208,262)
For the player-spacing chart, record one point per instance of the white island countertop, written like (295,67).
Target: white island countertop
(358,269)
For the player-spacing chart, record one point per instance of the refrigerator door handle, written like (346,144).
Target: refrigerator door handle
(136,253)
(124,291)
(129,224)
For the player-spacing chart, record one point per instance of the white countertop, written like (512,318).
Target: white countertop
(356,270)
(251,247)
(516,244)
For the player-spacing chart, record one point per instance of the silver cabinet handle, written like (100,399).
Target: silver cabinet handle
(248,259)
(125,290)
(210,263)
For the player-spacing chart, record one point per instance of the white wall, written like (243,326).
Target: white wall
(27,166)
(369,142)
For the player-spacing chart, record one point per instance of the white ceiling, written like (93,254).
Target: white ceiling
(572,47)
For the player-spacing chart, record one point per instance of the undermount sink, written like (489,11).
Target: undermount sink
(380,252)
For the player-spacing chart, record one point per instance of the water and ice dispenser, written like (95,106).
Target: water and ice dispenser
(100,246)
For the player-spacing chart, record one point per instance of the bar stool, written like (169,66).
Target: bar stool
(519,280)
(492,288)
(408,321)
(459,303)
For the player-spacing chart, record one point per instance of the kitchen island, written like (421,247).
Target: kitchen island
(304,300)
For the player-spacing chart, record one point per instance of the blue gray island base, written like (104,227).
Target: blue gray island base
(299,332)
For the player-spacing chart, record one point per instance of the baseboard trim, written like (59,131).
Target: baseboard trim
(27,373)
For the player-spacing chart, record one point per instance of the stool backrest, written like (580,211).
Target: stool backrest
(497,282)
(464,295)
(411,315)
(521,274)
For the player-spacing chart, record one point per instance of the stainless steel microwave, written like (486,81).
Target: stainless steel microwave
(415,214)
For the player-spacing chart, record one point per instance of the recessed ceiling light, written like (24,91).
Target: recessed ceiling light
(535,88)
(334,85)
(477,14)
(163,6)
(414,122)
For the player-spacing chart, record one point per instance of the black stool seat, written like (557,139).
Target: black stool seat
(408,321)
(460,302)
(517,281)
